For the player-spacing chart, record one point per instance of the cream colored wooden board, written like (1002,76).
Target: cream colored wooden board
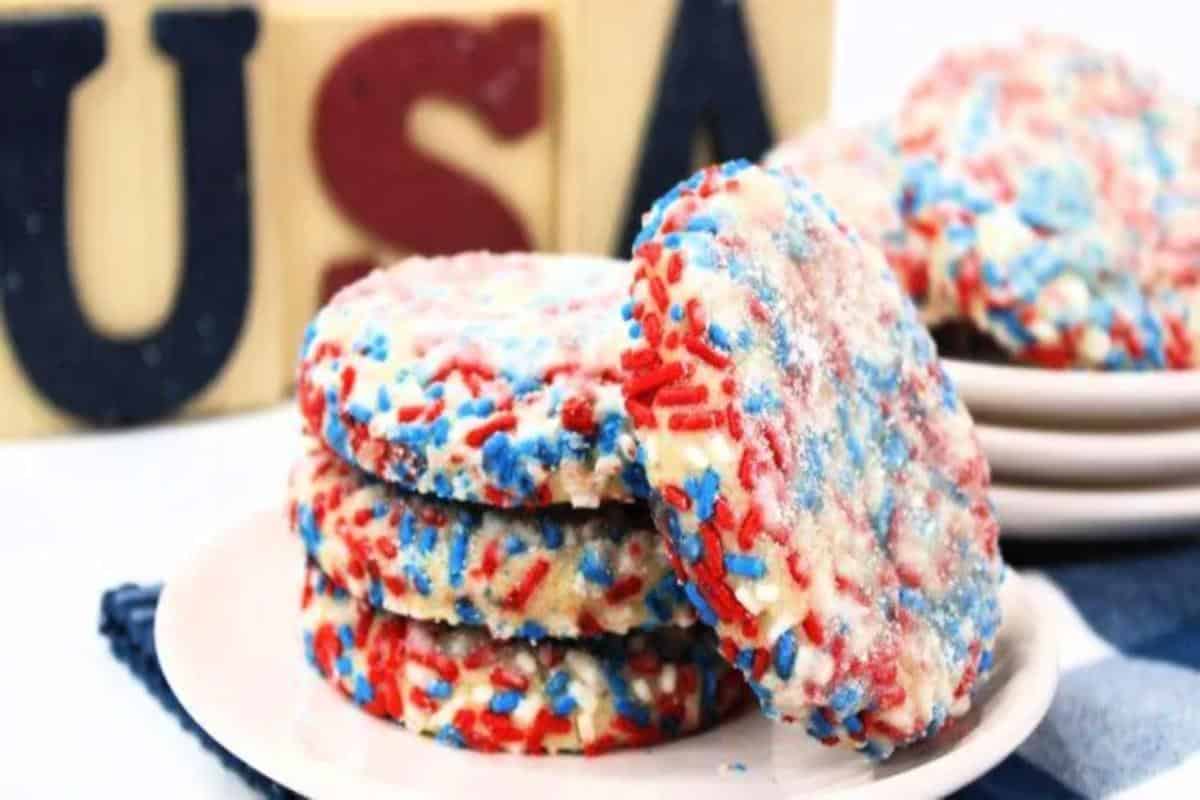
(124,210)
(613,53)
(316,231)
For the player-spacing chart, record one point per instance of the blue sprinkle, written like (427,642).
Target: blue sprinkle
(557,683)
(627,310)
(703,609)
(375,593)
(635,330)
(458,556)
(379,509)
(531,630)
(308,530)
(408,531)
(438,689)
(505,702)
(846,697)
(450,735)
(719,336)
(690,547)
(702,224)
(552,534)
(564,705)
(360,412)
(428,540)
(635,712)
(419,579)
(514,545)
(346,635)
(703,491)
(467,612)
(818,726)
(363,692)
(382,401)
(595,570)
(785,654)
(676,312)
(747,566)
(344,667)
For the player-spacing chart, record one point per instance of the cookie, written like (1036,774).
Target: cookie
(482,378)
(469,690)
(859,171)
(1060,191)
(815,474)
(529,574)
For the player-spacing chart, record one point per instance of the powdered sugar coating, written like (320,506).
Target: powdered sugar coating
(479,377)
(814,470)
(859,171)
(471,691)
(525,574)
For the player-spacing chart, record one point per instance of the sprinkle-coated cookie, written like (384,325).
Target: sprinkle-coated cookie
(814,471)
(530,574)
(471,691)
(478,377)
(859,171)
(1060,189)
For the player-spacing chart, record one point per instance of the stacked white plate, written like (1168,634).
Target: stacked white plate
(1085,454)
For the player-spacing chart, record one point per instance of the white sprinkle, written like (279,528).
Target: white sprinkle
(642,690)
(767,592)
(695,457)
(584,696)
(666,680)
(526,663)
(526,710)
(481,695)
(584,669)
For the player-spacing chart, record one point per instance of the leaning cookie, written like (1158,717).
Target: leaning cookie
(479,377)
(469,690)
(814,471)
(528,574)
(859,170)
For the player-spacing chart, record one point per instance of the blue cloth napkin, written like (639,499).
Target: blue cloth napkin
(1127,712)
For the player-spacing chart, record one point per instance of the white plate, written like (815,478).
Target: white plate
(1069,398)
(1096,513)
(1032,456)
(228,639)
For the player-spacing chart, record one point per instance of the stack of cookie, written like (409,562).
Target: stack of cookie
(477,566)
(487,433)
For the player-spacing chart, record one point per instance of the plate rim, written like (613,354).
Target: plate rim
(1088,458)
(1104,511)
(1033,684)
(1004,392)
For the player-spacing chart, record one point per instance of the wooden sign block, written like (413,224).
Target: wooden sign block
(409,127)
(657,88)
(137,272)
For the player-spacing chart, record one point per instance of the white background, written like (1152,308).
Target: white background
(79,515)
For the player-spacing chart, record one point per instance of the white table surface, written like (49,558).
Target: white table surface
(84,513)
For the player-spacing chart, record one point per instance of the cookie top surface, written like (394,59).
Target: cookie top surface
(814,471)
(469,690)
(521,574)
(479,377)
(859,171)
(1060,188)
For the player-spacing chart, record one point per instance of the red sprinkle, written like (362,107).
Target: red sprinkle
(699,348)
(502,422)
(520,594)
(654,379)
(677,497)
(681,395)
(813,629)
(577,415)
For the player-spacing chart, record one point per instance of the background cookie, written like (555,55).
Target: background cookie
(557,572)
(478,377)
(472,691)
(1061,190)
(814,470)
